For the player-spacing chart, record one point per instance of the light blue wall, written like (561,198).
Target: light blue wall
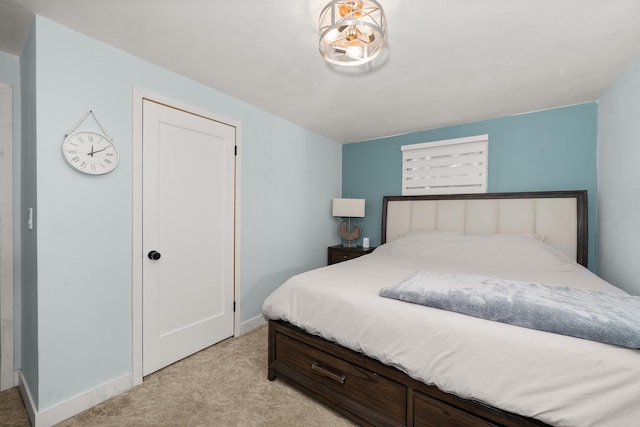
(547,150)
(10,69)
(10,74)
(288,178)
(619,181)
(29,267)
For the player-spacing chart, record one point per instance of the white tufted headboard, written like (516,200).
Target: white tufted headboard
(560,216)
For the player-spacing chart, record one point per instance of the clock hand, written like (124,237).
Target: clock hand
(92,152)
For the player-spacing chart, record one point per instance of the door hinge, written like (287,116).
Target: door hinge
(236,150)
(234,306)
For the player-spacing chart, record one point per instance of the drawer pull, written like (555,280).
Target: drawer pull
(338,378)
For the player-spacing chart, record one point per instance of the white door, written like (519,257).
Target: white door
(188,188)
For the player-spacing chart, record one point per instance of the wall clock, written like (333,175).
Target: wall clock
(92,153)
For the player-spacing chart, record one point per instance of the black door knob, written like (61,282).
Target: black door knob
(154,255)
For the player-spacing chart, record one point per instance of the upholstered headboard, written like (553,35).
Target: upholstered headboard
(559,216)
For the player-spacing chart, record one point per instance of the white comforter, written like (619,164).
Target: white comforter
(560,380)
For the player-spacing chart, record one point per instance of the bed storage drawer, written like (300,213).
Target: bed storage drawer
(368,392)
(431,412)
(355,388)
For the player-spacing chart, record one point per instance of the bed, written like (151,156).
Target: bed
(380,361)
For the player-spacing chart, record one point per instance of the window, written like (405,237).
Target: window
(446,167)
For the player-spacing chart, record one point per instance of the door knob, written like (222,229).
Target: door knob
(154,255)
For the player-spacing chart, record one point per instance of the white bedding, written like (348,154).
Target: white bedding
(557,379)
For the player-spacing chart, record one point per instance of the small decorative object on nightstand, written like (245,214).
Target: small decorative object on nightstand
(339,253)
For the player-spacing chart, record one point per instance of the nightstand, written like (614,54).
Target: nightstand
(339,253)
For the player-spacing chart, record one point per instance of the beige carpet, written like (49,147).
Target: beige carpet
(224,385)
(12,412)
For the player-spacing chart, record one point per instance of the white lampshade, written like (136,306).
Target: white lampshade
(353,208)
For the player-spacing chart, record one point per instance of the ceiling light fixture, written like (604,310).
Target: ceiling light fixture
(351,31)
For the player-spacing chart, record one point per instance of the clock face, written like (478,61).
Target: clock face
(90,153)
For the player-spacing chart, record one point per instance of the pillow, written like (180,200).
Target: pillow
(508,250)
(538,236)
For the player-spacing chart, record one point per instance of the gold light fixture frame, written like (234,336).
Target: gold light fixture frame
(351,31)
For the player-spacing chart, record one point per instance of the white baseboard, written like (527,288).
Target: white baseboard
(75,405)
(27,399)
(251,324)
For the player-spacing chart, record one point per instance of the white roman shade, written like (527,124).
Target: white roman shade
(452,166)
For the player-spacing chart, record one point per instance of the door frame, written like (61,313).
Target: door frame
(138,96)
(6,241)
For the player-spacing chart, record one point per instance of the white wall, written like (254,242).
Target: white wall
(10,74)
(618,230)
(289,176)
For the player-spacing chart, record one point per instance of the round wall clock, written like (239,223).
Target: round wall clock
(90,153)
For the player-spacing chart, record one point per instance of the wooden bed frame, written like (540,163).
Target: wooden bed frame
(371,393)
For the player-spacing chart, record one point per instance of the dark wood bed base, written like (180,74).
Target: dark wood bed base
(367,391)
(371,393)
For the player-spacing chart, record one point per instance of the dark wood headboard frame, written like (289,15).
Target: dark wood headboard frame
(579,195)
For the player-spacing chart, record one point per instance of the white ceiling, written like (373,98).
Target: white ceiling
(446,62)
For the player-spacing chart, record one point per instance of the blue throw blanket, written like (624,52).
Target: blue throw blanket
(599,316)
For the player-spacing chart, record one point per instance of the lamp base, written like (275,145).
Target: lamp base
(349,232)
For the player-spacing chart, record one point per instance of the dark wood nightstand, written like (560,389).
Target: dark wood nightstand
(339,253)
